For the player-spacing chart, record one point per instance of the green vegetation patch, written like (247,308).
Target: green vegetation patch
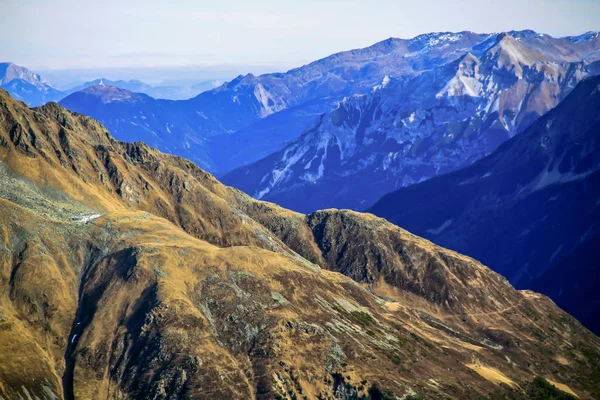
(362,318)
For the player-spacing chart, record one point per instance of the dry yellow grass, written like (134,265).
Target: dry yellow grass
(563,387)
(491,374)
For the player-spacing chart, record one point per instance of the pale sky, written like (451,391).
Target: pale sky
(93,34)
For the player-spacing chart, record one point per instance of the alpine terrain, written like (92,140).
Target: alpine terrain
(250,117)
(414,125)
(127,273)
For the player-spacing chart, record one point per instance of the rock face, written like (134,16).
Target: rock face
(127,273)
(529,210)
(27,86)
(417,126)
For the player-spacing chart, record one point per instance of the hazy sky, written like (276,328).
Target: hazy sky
(81,34)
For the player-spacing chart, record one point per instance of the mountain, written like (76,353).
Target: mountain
(411,128)
(177,127)
(170,92)
(529,210)
(27,86)
(302,94)
(271,110)
(181,91)
(127,273)
(132,85)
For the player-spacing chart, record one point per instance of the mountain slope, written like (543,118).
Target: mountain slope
(529,210)
(412,128)
(27,86)
(127,273)
(179,127)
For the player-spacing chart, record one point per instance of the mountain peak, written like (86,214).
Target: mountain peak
(247,79)
(525,34)
(103,87)
(10,71)
(508,50)
(436,39)
(106,93)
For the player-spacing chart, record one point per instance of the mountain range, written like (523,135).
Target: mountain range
(253,117)
(529,210)
(412,127)
(35,90)
(345,130)
(272,109)
(132,274)
(161,91)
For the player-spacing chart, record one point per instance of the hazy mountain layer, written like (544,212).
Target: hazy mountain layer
(418,126)
(270,110)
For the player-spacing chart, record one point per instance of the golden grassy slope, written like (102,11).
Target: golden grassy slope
(187,288)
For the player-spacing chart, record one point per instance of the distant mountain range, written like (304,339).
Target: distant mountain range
(449,77)
(472,93)
(169,92)
(530,210)
(35,90)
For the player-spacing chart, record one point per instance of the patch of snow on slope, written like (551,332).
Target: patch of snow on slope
(267,102)
(278,175)
(86,218)
(315,177)
(384,82)
(555,177)
(441,228)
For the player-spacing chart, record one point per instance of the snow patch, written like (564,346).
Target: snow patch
(555,177)
(278,175)
(384,83)
(260,194)
(86,218)
(556,253)
(440,228)
(267,101)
